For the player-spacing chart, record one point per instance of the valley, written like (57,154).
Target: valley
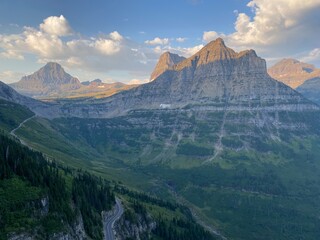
(234,153)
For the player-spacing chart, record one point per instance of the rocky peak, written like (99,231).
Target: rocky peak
(48,80)
(166,61)
(293,72)
(52,73)
(217,52)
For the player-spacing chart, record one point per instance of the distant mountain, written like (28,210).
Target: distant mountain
(48,110)
(96,81)
(311,89)
(216,77)
(49,80)
(166,61)
(293,72)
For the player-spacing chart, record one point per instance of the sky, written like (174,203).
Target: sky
(122,40)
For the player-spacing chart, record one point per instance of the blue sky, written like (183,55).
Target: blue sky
(122,40)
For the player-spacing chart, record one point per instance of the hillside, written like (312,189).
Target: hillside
(46,200)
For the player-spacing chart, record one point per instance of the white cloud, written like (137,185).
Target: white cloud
(138,81)
(278,24)
(107,46)
(58,26)
(158,41)
(180,39)
(115,36)
(209,36)
(12,55)
(312,56)
(278,28)
(10,76)
(182,51)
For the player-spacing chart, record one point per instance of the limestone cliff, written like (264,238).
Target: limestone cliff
(214,78)
(166,61)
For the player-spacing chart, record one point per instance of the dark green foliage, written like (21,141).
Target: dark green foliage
(12,114)
(92,196)
(26,178)
(190,149)
(179,229)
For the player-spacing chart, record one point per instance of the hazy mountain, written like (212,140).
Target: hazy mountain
(48,110)
(166,61)
(311,89)
(48,80)
(214,78)
(293,72)
(96,81)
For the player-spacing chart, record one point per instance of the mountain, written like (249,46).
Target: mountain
(214,132)
(293,72)
(166,61)
(95,89)
(45,109)
(48,80)
(96,81)
(215,78)
(311,89)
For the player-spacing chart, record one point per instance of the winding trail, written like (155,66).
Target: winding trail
(12,133)
(109,223)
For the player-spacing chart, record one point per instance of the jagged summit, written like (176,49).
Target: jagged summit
(166,61)
(48,80)
(213,79)
(214,51)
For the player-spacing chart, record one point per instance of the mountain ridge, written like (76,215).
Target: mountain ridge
(215,77)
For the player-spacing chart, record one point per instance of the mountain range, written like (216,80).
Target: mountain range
(214,132)
(215,78)
(51,81)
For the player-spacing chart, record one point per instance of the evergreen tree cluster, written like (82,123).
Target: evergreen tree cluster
(89,194)
(92,196)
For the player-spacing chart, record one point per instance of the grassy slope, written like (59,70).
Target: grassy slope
(11,115)
(267,190)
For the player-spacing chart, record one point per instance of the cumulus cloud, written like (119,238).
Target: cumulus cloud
(10,76)
(278,28)
(115,36)
(209,36)
(107,52)
(158,41)
(58,26)
(180,39)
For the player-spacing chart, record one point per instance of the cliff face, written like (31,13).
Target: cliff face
(216,77)
(138,229)
(293,72)
(166,61)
